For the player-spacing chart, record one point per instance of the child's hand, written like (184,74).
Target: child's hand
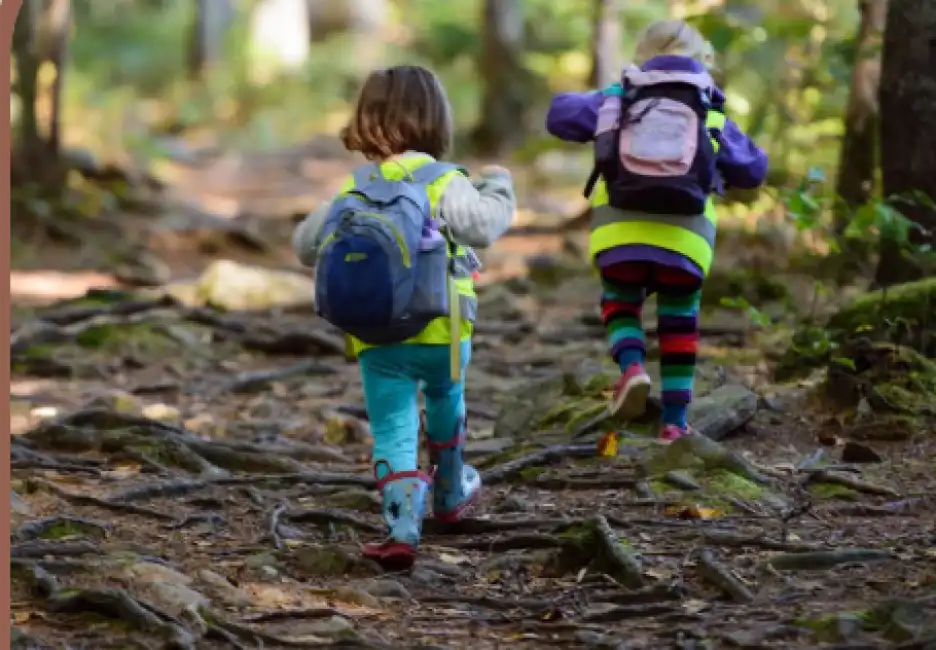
(494,170)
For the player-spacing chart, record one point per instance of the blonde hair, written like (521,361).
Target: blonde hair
(674,37)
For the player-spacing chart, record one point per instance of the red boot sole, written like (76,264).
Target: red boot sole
(394,556)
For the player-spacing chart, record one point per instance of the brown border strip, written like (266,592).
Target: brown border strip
(8,11)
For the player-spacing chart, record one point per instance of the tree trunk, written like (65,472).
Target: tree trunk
(858,157)
(40,40)
(213,18)
(504,100)
(25,49)
(606,43)
(365,21)
(907,130)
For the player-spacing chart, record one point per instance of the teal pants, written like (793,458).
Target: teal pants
(392,375)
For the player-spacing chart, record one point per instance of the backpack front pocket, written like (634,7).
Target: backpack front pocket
(430,295)
(662,140)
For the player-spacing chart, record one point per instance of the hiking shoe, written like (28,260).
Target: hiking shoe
(456,486)
(629,400)
(671,432)
(403,497)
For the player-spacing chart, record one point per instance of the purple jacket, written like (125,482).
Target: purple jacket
(573,116)
(742,164)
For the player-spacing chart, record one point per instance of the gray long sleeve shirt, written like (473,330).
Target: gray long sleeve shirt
(472,213)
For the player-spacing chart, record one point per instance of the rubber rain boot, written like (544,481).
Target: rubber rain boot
(404,506)
(456,486)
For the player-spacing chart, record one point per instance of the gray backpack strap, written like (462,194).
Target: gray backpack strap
(365,174)
(433,171)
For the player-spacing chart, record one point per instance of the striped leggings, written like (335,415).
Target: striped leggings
(625,288)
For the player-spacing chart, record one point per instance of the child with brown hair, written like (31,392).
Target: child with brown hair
(663,146)
(394,271)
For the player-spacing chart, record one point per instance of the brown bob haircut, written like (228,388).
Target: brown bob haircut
(399,109)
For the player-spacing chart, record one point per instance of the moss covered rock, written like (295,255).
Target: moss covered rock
(566,401)
(905,313)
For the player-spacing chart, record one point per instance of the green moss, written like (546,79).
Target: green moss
(727,483)
(837,626)
(71,529)
(580,536)
(588,411)
(505,456)
(830,491)
(532,473)
(912,302)
(118,337)
(756,287)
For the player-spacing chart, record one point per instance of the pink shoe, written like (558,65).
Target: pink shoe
(671,432)
(629,400)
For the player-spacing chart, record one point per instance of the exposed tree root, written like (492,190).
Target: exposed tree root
(44,548)
(512,468)
(332,516)
(822,560)
(106,504)
(720,576)
(39,528)
(111,603)
(627,566)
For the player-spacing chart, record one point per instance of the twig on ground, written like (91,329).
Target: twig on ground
(331,516)
(181,487)
(732,540)
(629,612)
(249,382)
(273,523)
(572,483)
(510,543)
(474,526)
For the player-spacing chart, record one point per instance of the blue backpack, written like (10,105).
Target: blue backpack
(383,266)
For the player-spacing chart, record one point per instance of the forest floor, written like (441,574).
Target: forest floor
(185,476)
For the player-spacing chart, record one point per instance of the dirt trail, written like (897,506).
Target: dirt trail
(191,478)
(175,492)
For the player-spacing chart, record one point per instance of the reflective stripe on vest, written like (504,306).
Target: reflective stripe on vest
(437,331)
(692,236)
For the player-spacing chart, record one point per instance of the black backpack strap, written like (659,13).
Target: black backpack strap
(591,182)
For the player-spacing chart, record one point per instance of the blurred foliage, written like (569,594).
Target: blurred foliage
(785,65)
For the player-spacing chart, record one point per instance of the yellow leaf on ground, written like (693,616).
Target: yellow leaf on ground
(124,469)
(21,617)
(693,512)
(607,446)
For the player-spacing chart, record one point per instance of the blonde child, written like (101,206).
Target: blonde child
(663,147)
(395,271)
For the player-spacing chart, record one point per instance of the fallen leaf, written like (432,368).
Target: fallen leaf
(693,512)
(21,617)
(551,615)
(694,606)
(121,470)
(454,558)
(607,446)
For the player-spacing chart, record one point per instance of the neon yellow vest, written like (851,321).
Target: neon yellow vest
(438,332)
(692,236)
